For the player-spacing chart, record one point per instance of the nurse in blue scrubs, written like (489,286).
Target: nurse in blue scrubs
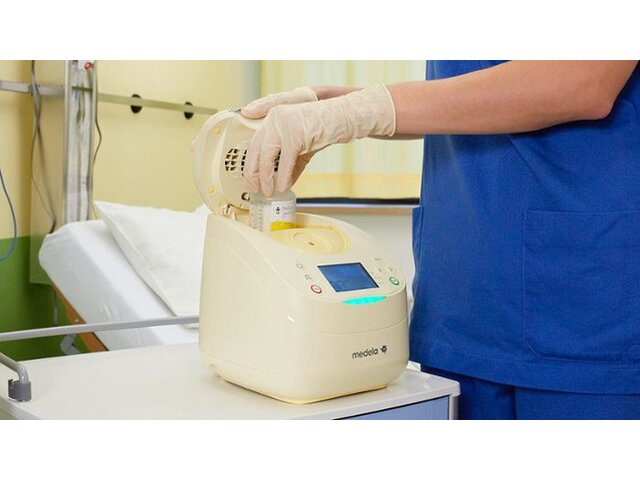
(527,237)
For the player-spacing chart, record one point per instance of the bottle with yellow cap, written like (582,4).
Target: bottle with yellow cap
(277,212)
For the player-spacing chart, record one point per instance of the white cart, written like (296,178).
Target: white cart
(173,382)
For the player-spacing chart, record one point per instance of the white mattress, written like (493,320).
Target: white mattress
(87,266)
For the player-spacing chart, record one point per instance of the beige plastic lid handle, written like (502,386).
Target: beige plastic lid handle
(220,151)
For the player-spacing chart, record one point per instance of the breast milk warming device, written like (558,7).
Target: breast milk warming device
(302,314)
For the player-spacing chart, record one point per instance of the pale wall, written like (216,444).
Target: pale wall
(145,158)
(15,143)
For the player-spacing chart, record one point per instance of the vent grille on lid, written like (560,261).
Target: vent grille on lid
(234,161)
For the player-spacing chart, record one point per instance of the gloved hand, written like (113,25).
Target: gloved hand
(260,107)
(298,131)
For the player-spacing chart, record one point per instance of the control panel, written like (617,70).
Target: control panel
(353,282)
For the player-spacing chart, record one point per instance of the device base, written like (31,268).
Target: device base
(298,401)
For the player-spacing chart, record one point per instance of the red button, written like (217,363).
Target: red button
(316,289)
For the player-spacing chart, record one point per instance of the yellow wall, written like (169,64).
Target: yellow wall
(15,143)
(367,168)
(145,158)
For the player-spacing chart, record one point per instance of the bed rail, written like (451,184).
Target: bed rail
(20,389)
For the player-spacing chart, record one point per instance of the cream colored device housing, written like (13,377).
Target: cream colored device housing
(272,321)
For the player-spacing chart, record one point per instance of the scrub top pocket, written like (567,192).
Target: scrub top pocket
(581,281)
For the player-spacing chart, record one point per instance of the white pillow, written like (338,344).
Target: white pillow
(165,248)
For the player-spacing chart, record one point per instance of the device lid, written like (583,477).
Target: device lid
(220,150)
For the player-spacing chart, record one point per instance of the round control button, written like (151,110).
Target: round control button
(299,265)
(394,280)
(308,277)
(316,289)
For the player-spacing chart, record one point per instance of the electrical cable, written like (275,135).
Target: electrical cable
(95,153)
(37,135)
(13,217)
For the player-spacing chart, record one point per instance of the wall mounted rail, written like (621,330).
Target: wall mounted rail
(132,101)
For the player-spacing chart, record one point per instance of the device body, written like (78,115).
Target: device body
(271,321)
(301,314)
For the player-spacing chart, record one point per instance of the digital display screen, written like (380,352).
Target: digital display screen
(347,276)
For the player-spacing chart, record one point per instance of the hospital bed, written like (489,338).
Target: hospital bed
(98,284)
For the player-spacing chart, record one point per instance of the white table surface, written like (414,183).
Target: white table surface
(173,382)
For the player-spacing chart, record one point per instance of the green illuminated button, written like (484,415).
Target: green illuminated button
(365,300)
(394,280)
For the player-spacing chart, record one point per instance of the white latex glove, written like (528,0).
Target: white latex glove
(300,130)
(260,107)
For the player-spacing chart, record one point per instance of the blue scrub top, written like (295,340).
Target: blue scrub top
(527,252)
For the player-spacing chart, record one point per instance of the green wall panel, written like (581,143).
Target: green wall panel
(24,305)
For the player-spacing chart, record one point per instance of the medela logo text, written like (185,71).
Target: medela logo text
(369,352)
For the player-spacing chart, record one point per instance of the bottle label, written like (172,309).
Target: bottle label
(283,215)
